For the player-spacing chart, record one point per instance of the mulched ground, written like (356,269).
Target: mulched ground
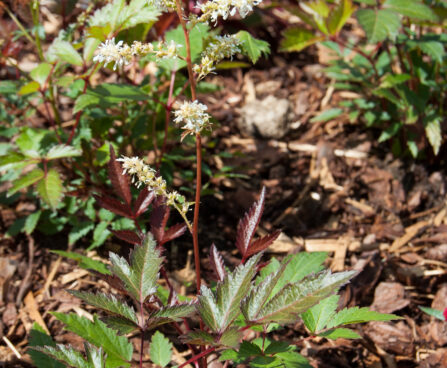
(330,187)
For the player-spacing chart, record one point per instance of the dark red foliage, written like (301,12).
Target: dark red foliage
(262,243)
(120,182)
(128,236)
(217,263)
(173,232)
(114,206)
(143,201)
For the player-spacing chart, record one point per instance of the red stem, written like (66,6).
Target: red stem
(198,356)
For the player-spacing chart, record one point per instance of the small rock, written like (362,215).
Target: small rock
(266,118)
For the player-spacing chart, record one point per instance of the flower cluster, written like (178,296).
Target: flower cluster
(212,9)
(147,176)
(219,48)
(121,53)
(194,115)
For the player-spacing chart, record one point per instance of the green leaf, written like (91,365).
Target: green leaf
(66,355)
(120,324)
(118,348)
(218,310)
(318,316)
(80,230)
(61,151)
(252,47)
(28,88)
(432,48)
(392,80)
(108,303)
(31,222)
(100,235)
(296,298)
(140,277)
(358,315)
(412,9)
(95,356)
(343,333)
(379,24)
(230,338)
(26,180)
(84,101)
(40,73)
(50,188)
(292,359)
(90,46)
(38,337)
(327,115)
(413,147)
(14,160)
(86,263)
(66,52)
(160,349)
(433,312)
(339,16)
(298,38)
(433,130)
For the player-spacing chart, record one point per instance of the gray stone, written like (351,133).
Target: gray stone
(266,118)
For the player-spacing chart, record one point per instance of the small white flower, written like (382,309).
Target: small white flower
(110,52)
(163,5)
(212,9)
(193,115)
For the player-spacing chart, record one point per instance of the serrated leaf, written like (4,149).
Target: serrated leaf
(40,73)
(66,52)
(144,199)
(128,236)
(392,80)
(220,309)
(358,315)
(119,181)
(140,276)
(433,131)
(337,19)
(107,303)
(260,294)
(84,262)
(294,299)
(100,234)
(174,312)
(65,354)
(343,333)
(327,115)
(319,315)
(252,47)
(78,231)
(28,88)
(432,48)
(62,151)
(115,206)
(298,38)
(198,337)
(262,243)
(433,312)
(160,349)
(118,348)
(172,233)
(95,356)
(412,8)
(379,24)
(50,188)
(217,263)
(25,181)
(247,225)
(38,337)
(13,160)
(122,325)
(31,222)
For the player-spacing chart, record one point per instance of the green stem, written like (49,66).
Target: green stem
(17,22)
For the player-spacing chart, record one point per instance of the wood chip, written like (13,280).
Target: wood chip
(410,233)
(33,311)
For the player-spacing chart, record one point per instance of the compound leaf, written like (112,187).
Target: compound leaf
(379,24)
(107,303)
(412,9)
(65,354)
(160,349)
(220,309)
(296,298)
(252,47)
(118,348)
(140,276)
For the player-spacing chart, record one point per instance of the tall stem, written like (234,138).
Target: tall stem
(192,84)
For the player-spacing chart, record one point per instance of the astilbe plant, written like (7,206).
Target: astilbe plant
(254,295)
